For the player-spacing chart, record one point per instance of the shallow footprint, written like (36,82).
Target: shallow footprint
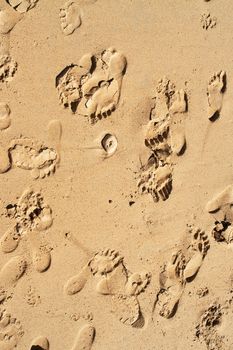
(54,136)
(85,338)
(215,90)
(8,19)
(5,163)
(70,15)
(10,239)
(177,110)
(126,308)
(40,343)
(76,283)
(41,257)
(5,120)
(114,282)
(171,285)
(199,247)
(10,274)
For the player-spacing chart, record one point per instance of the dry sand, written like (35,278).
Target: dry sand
(116,174)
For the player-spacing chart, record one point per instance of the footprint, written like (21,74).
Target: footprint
(104,261)
(156,180)
(10,274)
(8,68)
(207,329)
(32,297)
(11,331)
(126,308)
(164,91)
(22,6)
(5,120)
(41,257)
(4,160)
(40,343)
(113,283)
(215,90)
(8,19)
(208,21)
(156,134)
(177,130)
(107,267)
(165,137)
(70,79)
(30,212)
(85,338)
(70,15)
(29,154)
(171,285)
(76,283)
(10,239)
(54,136)
(32,215)
(198,250)
(224,198)
(137,283)
(93,87)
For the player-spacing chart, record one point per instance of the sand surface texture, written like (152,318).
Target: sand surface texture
(116,174)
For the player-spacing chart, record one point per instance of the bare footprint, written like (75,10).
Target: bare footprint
(92,87)
(8,67)
(105,99)
(156,180)
(10,274)
(11,331)
(113,283)
(30,154)
(126,308)
(40,343)
(5,163)
(76,283)
(8,19)
(164,91)
(215,90)
(5,120)
(22,6)
(54,136)
(156,134)
(41,257)
(198,250)
(207,329)
(221,200)
(10,239)
(108,268)
(171,285)
(137,283)
(177,129)
(71,17)
(32,215)
(85,338)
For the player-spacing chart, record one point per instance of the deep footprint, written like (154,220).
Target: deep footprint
(93,86)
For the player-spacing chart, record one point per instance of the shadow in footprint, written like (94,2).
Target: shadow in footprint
(140,323)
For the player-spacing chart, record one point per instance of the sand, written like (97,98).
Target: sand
(116,175)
